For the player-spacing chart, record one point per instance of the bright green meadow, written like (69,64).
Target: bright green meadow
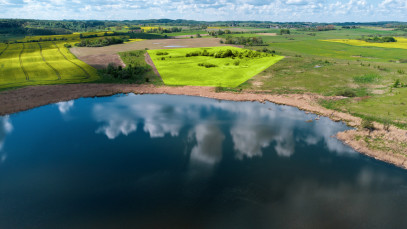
(177,69)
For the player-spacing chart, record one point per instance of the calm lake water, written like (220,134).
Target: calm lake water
(160,161)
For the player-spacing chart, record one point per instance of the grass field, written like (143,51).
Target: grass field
(400,44)
(331,68)
(177,69)
(37,63)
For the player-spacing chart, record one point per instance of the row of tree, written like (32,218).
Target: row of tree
(228,53)
(105,41)
(377,39)
(129,72)
(249,41)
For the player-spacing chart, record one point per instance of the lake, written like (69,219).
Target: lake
(163,161)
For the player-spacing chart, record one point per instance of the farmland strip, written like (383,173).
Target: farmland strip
(4,50)
(21,64)
(49,65)
(87,74)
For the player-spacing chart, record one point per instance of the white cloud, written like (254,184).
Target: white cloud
(270,10)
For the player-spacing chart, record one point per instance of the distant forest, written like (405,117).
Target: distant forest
(49,27)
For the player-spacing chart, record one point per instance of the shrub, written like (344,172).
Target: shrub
(236,63)
(347,93)
(367,78)
(368,125)
(206,65)
(397,83)
(68,45)
(386,125)
(161,53)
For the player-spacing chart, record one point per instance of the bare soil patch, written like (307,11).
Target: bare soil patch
(101,61)
(267,34)
(150,62)
(188,36)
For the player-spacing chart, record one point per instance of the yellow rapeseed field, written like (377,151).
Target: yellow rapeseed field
(148,28)
(401,43)
(133,40)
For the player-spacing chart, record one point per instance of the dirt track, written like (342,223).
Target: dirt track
(30,97)
(150,62)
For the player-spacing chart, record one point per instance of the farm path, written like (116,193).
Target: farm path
(150,62)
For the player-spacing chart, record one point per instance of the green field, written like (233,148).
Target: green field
(36,63)
(330,68)
(177,69)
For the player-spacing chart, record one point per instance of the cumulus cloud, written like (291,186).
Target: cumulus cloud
(270,10)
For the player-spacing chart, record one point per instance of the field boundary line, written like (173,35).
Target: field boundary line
(87,73)
(21,63)
(49,65)
(1,53)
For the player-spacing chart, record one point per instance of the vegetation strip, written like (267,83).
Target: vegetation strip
(59,50)
(1,53)
(49,65)
(21,64)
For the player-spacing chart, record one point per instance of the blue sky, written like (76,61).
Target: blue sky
(262,10)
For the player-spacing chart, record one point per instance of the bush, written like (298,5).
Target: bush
(367,78)
(236,63)
(161,53)
(386,125)
(368,125)
(347,93)
(206,65)
(68,45)
(397,83)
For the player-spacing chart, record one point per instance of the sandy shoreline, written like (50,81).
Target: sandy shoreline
(22,99)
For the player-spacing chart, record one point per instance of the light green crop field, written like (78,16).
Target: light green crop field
(35,63)
(177,69)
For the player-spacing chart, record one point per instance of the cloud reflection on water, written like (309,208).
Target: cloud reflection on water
(64,107)
(252,126)
(5,128)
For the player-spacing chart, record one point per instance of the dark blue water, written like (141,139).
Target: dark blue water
(159,161)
